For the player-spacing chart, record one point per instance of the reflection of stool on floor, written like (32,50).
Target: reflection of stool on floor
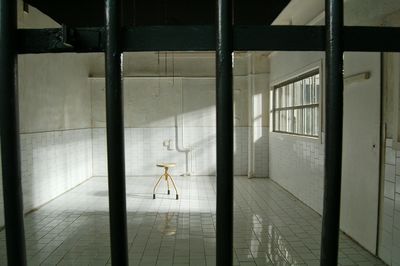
(167,178)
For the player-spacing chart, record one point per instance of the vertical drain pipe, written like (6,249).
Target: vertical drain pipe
(224,103)
(115,134)
(9,132)
(334,129)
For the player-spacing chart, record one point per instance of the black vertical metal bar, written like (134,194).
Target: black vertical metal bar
(9,132)
(115,134)
(334,128)
(224,104)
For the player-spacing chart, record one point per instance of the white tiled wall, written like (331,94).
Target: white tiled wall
(52,163)
(144,148)
(389,229)
(261,153)
(240,159)
(297,164)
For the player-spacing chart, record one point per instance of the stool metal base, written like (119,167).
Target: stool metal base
(167,177)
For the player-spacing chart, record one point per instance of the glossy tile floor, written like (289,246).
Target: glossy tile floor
(271,226)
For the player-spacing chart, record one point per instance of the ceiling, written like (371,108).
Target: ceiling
(356,12)
(88,13)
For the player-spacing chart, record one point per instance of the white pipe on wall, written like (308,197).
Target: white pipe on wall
(179,148)
(182,148)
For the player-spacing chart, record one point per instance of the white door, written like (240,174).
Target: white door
(361,146)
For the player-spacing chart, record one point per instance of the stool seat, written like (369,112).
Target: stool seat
(166,165)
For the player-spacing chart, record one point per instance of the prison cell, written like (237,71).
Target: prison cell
(225,38)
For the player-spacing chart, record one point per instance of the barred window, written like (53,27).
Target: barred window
(296,105)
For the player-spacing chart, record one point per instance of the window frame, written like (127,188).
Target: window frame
(291,80)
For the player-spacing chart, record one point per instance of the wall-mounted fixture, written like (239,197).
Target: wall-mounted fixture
(357,78)
(169,143)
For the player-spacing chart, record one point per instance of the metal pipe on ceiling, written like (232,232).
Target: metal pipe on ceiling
(9,132)
(115,133)
(224,105)
(334,131)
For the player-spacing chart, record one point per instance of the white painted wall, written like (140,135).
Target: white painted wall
(297,162)
(53,92)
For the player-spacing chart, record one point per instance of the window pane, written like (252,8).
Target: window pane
(312,121)
(298,113)
(290,95)
(271,98)
(307,121)
(276,92)
(307,91)
(289,114)
(297,93)
(305,130)
(314,98)
(282,121)
(283,96)
(303,119)
(312,89)
(316,122)
(317,88)
(276,122)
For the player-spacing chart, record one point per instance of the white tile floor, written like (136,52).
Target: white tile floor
(271,226)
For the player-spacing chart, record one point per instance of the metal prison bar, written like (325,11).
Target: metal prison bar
(9,132)
(334,38)
(334,129)
(115,134)
(224,106)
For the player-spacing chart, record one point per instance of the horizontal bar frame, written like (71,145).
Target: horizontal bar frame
(202,38)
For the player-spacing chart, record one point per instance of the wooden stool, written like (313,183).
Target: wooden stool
(166,166)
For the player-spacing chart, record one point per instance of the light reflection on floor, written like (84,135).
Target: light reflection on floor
(271,226)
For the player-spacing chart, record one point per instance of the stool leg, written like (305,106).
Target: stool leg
(155,187)
(168,185)
(173,183)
